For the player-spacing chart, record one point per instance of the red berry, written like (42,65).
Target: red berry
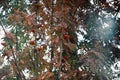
(33,30)
(39,25)
(32,42)
(66,36)
(38,38)
(39,49)
(65,57)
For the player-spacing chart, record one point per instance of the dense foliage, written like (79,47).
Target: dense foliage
(60,39)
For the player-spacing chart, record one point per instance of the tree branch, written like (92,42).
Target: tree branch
(13,54)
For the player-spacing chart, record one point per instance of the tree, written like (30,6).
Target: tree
(44,38)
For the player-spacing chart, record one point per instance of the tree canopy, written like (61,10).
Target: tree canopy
(60,39)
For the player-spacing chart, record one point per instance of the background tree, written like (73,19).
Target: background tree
(45,38)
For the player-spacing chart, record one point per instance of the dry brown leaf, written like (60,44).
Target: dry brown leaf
(8,53)
(11,36)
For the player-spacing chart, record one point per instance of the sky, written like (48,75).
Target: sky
(1,36)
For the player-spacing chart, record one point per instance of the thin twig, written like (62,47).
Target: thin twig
(61,42)
(51,25)
(35,51)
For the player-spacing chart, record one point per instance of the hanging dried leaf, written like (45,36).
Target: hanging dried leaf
(47,75)
(8,53)
(22,62)
(11,36)
(4,44)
